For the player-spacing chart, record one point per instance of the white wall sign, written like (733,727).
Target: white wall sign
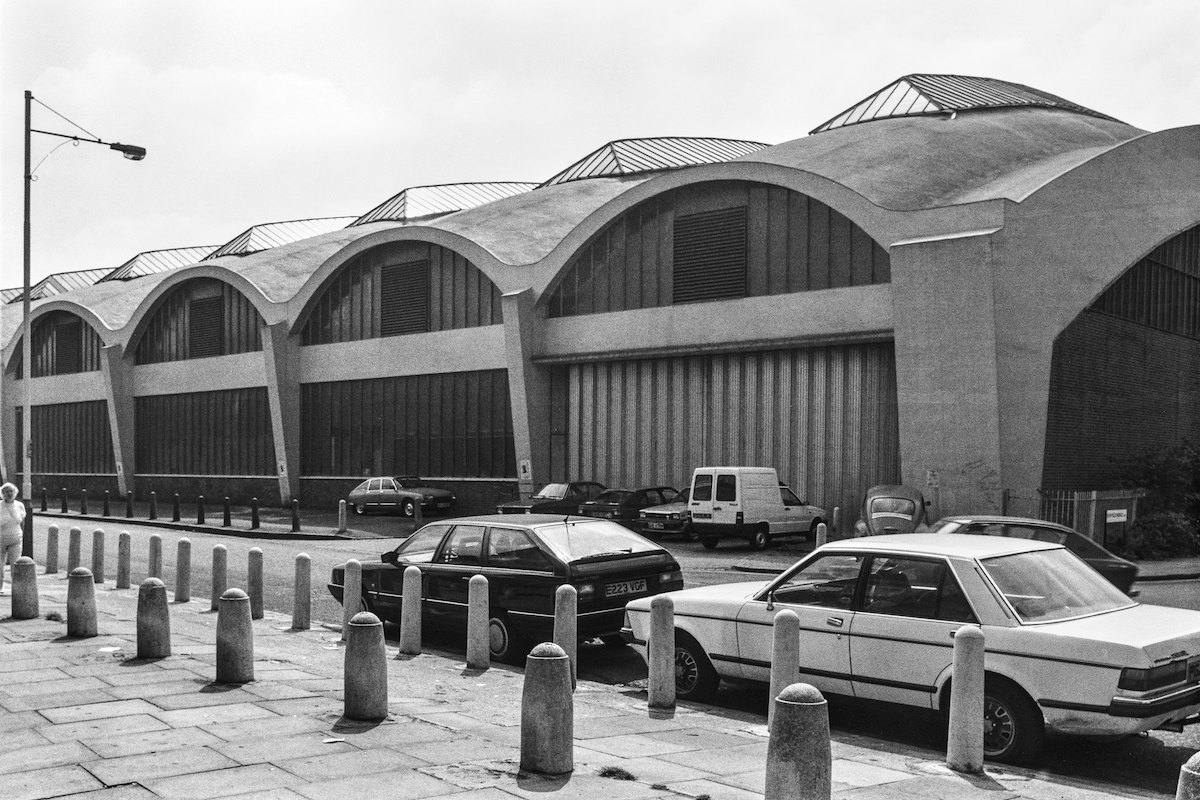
(1116,515)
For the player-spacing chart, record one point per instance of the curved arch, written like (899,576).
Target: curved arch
(245,337)
(88,317)
(300,307)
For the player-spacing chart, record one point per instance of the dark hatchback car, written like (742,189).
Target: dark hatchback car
(1118,571)
(623,505)
(398,494)
(554,498)
(525,559)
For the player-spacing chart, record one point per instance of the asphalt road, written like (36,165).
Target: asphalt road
(1148,762)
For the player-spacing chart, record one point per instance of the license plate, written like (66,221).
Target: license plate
(625,587)
(656,526)
(443,505)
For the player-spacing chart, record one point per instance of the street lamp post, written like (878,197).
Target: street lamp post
(130,151)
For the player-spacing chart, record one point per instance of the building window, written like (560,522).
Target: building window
(206,319)
(404,298)
(710,255)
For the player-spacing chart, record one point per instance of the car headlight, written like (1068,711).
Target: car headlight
(428,496)
(641,515)
(1144,680)
(676,515)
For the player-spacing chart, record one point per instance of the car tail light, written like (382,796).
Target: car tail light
(586,591)
(670,577)
(1145,680)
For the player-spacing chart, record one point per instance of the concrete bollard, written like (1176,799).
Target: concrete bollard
(479,656)
(24,588)
(837,521)
(220,579)
(785,655)
(154,570)
(74,546)
(822,535)
(124,559)
(105,508)
(154,505)
(964,742)
(200,510)
(98,555)
(364,671)
(661,652)
(52,550)
(183,570)
(235,638)
(302,594)
(175,508)
(410,613)
(566,625)
(1189,780)
(547,712)
(295,516)
(253,513)
(81,603)
(416,514)
(153,620)
(341,516)
(254,582)
(351,594)
(226,514)
(799,756)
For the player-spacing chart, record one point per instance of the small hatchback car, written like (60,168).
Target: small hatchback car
(525,559)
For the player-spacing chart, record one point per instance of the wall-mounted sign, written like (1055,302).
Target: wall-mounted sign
(1116,515)
(525,469)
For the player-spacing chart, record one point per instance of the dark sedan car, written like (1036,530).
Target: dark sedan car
(554,498)
(1118,571)
(398,494)
(623,505)
(525,559)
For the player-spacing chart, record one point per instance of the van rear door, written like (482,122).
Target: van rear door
(727,498)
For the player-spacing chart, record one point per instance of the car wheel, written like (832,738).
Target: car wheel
(1013,728)
(695,678)
(709,542)
(360,508)
(812,530)
(504,643)
(758,541)
(408,508)
(613,640)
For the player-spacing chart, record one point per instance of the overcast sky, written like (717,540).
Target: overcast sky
(256,111)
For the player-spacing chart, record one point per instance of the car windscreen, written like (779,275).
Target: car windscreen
(893,505)
(552,491)
(1047,585)
(573,541)
(614,496)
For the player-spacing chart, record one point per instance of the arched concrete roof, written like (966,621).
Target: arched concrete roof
(915,163)
(12,329)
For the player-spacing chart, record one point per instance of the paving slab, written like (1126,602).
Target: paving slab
(158,764)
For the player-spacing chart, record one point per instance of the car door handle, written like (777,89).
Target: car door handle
(716,508)
(836,622)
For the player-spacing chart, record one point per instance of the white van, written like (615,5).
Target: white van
(748,503)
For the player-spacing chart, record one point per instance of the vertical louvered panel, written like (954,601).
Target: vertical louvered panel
(205,433)
(710,255)
(206,332)
(404,298)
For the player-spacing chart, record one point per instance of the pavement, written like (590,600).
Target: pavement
(85,718)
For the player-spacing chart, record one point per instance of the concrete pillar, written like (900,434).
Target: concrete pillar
(1189,780)
(964,743)
(183,570)
(478,654)
(799,756)
(235,638)
(566,625)
(822,536)
(351,593)
(155,568)
(281,365)
(124,558)
(364,672)
(785,654)
(74,545)
(24,588)
(98,555)
(117,372)
(153,620)
(81,603)
(302,593)
(52,550)
(254,582)
(661,652)
(547,712)
(220,579)
(528,388)
(341,516)
(410,613)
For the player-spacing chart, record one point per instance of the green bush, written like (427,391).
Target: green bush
(1166,534)
(1170,476)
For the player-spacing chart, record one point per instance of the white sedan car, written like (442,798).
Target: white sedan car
(1065,650)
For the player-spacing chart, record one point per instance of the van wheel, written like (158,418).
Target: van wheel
(709,542)
(760,538)
(505,644)
(1013,728)
(695,678)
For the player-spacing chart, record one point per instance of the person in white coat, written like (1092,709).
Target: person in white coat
(12,520)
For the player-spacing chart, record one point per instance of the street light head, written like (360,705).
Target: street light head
(130,151)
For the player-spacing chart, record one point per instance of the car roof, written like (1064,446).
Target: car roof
(944,544)
(519,520)
(994,519)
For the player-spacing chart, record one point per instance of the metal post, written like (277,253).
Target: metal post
(295,515)
(154,505)
(64,499)
(175,512)
(83,501)
(225,521)
(129,505)
(106,506)
(253,513)
(43,498)
(27,350)
(200,510)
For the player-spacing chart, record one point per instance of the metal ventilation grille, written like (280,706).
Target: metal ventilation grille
(404,298)
(205,321)
(710,256)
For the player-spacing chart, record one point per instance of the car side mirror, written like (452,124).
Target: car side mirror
(389,557)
